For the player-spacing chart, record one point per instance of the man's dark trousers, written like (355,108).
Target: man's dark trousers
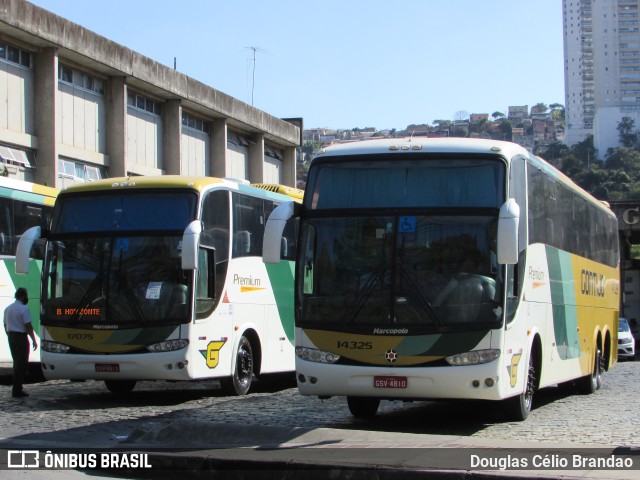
(19,346)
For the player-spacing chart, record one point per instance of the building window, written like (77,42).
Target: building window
(15,55)
(143,103)
(80,172)
(80,79)
(191,121)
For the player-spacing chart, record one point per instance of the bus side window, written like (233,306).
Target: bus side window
(215,234)
(7,243)
(248,225)
(205,282)
(308,261)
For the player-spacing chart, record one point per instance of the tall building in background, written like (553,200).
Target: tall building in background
(602,68)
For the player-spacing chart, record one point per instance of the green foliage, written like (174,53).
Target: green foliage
(627,132)
(618,178)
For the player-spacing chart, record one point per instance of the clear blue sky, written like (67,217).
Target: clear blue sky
(345,64)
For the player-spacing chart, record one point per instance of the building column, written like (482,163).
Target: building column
(116,119)
(256,158)
(171,136)
(288,173)
(218,148)
(45,90)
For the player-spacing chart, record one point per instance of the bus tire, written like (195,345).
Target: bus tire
(363,407)
(592,382)
(239,382)
(120,386)
(519,407)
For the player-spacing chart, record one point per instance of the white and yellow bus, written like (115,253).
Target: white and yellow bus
(449,269)
(152,278)
(22,205)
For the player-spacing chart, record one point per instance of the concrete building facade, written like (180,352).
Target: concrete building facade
(75,106)
(602,68)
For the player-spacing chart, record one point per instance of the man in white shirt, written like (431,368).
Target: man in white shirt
(17,324)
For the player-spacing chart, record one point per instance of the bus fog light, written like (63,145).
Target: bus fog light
(474,357)
(489,382)
(302,378)
(313,380)
(180,365)
(475,383)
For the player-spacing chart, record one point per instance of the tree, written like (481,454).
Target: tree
(585,152)
(540,107)
(461,115)
(497,115)
(557,112)
(458,132)
(504,130)
(627,133)
(625,159)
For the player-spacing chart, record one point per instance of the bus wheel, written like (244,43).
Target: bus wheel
(240,380)
(120,386)
(519,407)
(592,382)
(363,407)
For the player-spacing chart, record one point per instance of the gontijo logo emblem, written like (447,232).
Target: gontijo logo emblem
(212,353)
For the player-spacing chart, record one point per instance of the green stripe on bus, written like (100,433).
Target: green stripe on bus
(31,282)
(565,317)
(281,276)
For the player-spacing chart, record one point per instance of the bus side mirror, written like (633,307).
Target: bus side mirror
(272,244)
(23,250)
(190,242)
(508,233)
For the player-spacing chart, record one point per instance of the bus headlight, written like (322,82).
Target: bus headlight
(54,347)
(474,357)
(318,356)
(168,346)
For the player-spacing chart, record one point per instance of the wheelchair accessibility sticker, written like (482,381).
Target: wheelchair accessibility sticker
(407,224)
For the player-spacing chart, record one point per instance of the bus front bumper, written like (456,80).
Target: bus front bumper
(468,382)
(152,366)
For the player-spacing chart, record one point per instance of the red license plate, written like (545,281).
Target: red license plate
(107,367)
(390,382)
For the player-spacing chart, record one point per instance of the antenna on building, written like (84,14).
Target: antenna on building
(175,63)
(253,73)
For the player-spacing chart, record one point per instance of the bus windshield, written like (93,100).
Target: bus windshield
(433,273)
(118,276)
(402,256)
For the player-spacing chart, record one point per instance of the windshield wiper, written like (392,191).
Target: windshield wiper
(362,296)
(422,300)
(87,298)
(137,311)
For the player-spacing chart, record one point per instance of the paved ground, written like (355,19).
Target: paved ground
(195,414)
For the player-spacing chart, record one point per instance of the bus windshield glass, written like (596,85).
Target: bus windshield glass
(111,212)
(406,183)
(127,275)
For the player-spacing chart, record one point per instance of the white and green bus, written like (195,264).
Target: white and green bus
(161,278)
(449,269)
(22,205)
